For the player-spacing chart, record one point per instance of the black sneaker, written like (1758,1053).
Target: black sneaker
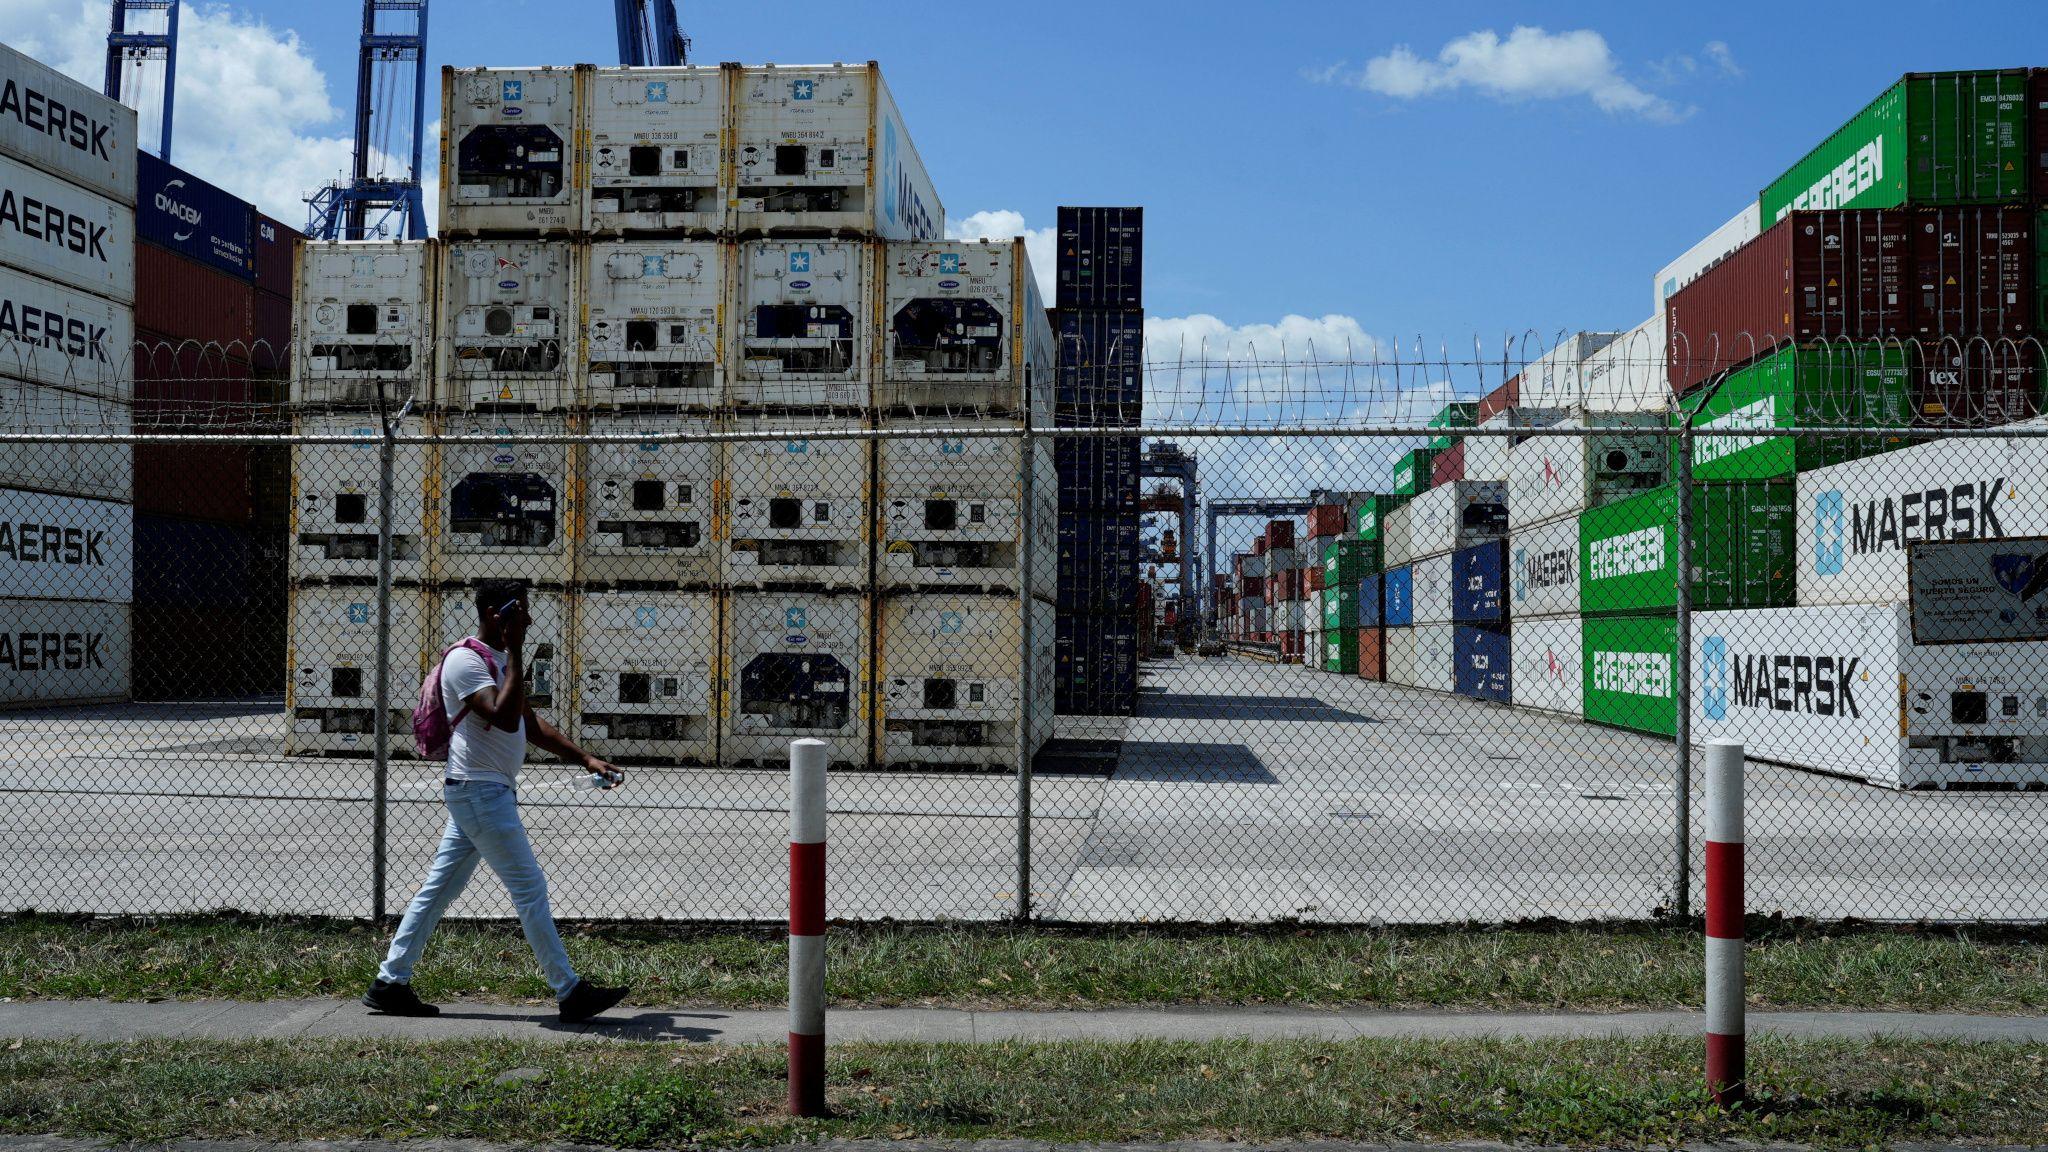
(396,1000)
(587,1000)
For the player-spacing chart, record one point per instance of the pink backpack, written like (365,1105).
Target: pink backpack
(431,727)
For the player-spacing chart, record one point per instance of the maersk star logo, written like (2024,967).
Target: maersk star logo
(359,613)
(1714,677)
(800,262)
(657,92)
(795,618)
(951,623)
(801,89)
(653,265)
(646,616)
(1830,532)
(514,91)
(949,263)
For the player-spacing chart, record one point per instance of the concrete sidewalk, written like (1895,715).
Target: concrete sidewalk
(287,1019)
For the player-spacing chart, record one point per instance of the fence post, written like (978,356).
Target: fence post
(1026,685)
(387,452)
(1681,677)
(1726,1063)
(807,763)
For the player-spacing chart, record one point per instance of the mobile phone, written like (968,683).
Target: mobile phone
(507,609)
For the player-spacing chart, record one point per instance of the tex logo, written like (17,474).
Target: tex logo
(802,89)
(795,618)
(1830,532)
(949,263)
(358,613)
(1714,677)
(513,91)
(657,92)
(951,623)
(800,262)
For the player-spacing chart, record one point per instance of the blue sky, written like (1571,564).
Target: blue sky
(1534,186)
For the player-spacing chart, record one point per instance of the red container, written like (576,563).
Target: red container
(1259,546)
(1280,533)
(1500,399)
(1252,586)
(270,348)
(1291,646)
(1314,578)
(1372,653)
(1448,466)
(181,383)
(185,300)
(201,482)
(1326,520)
(1974,270)
(276,244)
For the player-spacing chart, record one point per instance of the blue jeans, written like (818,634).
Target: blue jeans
(483,821)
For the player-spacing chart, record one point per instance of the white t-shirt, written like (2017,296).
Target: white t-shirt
(476,750)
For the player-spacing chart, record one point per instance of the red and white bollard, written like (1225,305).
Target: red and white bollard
(807,760)
(1726,1062)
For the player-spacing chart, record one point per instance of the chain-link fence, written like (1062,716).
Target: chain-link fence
(1408,639)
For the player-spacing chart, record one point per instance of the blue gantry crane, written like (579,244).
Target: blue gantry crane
(380,198)
(130,49)
(648,34)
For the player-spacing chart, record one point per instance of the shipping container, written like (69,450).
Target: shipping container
(2037,129)
(1423,657)
(507,336)
(822,150)
(548,683)
(1412,472)
(98,471)
(1857,520)
(1459,414)
(1337,650)
(653,150)
(1715,247)
(1101,365)
(1337,609)
(181,213)
(1324,521)
(1826,385)
(277,254)
(64,338)
(55,124)
(1556,379)
(508,151)
(1974,273)
(1430,583)
(1372,653)
(1844,690)
(1448,467)
(1097,472)
(1630,373)
(645,668)
(210,482)
(802,324)
(1279,534)
(796,513)
(65,548)
(646,515)
(187,301)
(1975,383)
(1484,664)
(59,231)
(365,319)
(653,338)
(1548,657)
(1543,570)
(964,331)
(63,652)
(1481,457)
(331,692)
(1499,401)
(1743,538)
(1346,561)
(949,683)
(796,665)
(1931,138)
(1372,601)
(335,502)
(503,509)
(1372,513)
(1399,592)
(953,516)
(1561,476)
(1443,520)
(183,383)
(1101,260)
(1479,584)
(270,341)
(1627,674)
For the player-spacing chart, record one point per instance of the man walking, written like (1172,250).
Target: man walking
(490,725)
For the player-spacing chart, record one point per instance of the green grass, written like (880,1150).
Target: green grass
(1790,965)
(1606,1092)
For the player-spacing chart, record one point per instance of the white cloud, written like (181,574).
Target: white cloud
(1529,64)
(254,113)
(1717,51)
(1004,224)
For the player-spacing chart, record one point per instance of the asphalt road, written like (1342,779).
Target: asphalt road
(1242,791)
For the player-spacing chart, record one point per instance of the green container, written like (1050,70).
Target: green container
(1800,387)
(1340,650)
(1411,472)
(1372,513)
(1463,414)
(1743,549)
(1628,667)
(1932,138)
(1340,606)
(1346,562)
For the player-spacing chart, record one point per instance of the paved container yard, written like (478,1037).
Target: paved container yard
(1242,791)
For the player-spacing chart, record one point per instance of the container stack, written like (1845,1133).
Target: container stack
(1434,546)
(1099,318)
(1332,613)
(1368,528)
(1291,606)
(67,289)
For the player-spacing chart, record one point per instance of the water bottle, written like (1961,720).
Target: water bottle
(593,782)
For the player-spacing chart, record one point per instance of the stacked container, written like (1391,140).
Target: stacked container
(1428,544)
(67,580)
(1099,325)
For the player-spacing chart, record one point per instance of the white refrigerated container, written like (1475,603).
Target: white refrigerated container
(508,331)
(653,336)
(335,500)
(364,318)
(61,337)
(796,665)
(964,330)
(952,514)
(654,150)
(1556,378)
(66,548)
(796,512)
(331,688)
(823,149)
(1549,664)
(1551,477)
(645,663)
(648,509)
(62,127)
(508,151)
(1628,375)
(1447,518)
(800,333)
(949,681)
(503,507)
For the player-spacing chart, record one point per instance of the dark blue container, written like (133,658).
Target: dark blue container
(192,563)
(1101,260)
(1399,594)
(1479,586)
(180,212)
(1372,611)
(1101,360)
(1484,670)
(1097,472)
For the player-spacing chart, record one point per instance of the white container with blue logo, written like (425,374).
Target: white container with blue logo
(1543,570)
(504,501)
(648,508)
(509,330)
(796,665)
(332,682)
(949,684)
(801,333)
(796,508)
(548,686)
(823,149)
(364,322)
(645,668)
(952,514)
(1857,520)
(653,150)
(1842,689)
(964,331)
(652,339)
(508,151)
(335,502)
